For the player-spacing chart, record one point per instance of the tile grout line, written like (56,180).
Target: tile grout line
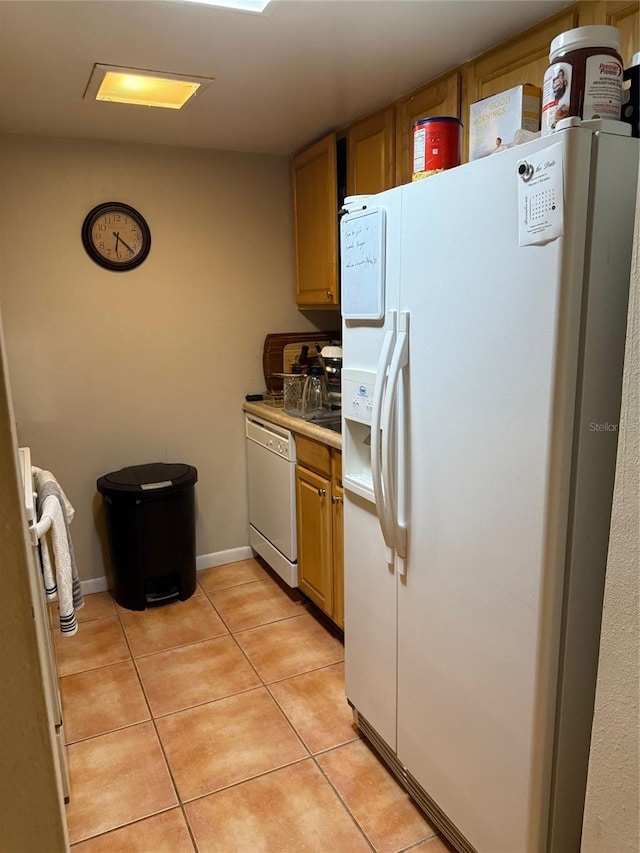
(248,779)
(153,718)
(179,804)
(266,684)
(182,803)
(266,687)
(84,740)
(342,801)
(168,648)
(123,825)
(179,646)
(90,669)
(426,840)
(260,625)
(310,754)
(263,683)
(111,731)
(304,672)
(56,627)
(411,846)
(62,675)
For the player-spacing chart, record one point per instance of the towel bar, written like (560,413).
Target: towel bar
(40,528)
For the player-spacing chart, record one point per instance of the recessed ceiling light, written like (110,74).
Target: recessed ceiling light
(242,5)
(143,88)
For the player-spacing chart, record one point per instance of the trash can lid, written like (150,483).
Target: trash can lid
(151,477)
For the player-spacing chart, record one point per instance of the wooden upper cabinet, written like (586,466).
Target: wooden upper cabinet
(370,153)
(523,59)
(364,160)
(627,19)
(438,98)
(315,218)
(622,14)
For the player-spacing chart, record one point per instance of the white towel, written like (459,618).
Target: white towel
(64,584)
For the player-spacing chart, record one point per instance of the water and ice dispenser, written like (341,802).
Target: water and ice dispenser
(357,409)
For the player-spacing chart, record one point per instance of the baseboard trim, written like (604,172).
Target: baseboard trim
(221,558)
(203,561)
(94,585)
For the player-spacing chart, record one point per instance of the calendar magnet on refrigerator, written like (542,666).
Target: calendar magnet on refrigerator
(540,197)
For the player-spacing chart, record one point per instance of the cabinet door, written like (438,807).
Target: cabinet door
(438,98)
(523,59)
(622,14)
(315,216)
(315,576)
(370,154)
(338,555)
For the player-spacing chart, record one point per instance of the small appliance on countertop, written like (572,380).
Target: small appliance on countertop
(315,394)
(332,358)
(281,351)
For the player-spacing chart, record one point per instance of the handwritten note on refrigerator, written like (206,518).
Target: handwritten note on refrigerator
(362,241)
(541,197)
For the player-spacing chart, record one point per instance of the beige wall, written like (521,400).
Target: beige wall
(611,820)
(115,369)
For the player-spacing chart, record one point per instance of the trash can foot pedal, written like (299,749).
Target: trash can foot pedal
(161,597)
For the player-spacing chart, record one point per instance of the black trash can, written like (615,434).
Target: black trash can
(151,528)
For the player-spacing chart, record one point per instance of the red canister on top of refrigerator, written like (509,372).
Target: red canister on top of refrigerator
(437,145)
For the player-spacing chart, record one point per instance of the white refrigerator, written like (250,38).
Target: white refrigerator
(484,315)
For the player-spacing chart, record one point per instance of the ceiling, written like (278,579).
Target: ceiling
(282,78)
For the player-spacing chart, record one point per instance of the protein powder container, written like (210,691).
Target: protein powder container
(437,145)
(584,77)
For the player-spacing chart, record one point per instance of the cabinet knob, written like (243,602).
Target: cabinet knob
(329,294)
(336,500)
(322,493)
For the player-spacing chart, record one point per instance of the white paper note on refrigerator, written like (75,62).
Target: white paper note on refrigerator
(540,197)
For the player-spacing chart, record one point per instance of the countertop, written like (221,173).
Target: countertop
(277,416)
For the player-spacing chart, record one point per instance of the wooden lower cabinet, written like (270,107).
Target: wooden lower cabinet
(319,500)
(315,573)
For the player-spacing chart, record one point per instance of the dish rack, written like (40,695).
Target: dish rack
(280,352)
(274,398)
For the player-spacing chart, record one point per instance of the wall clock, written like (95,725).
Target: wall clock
(116,236)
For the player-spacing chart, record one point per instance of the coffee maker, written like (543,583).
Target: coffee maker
(332,358)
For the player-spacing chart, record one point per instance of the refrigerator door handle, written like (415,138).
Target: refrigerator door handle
(392,473)
(380,488)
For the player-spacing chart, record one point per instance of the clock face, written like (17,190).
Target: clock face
(116,236)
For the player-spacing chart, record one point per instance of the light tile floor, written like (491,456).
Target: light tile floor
(220,725)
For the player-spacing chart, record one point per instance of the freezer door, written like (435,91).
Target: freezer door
(370,582)
(494,331)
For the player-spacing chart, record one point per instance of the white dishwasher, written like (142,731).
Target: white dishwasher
(271,463)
